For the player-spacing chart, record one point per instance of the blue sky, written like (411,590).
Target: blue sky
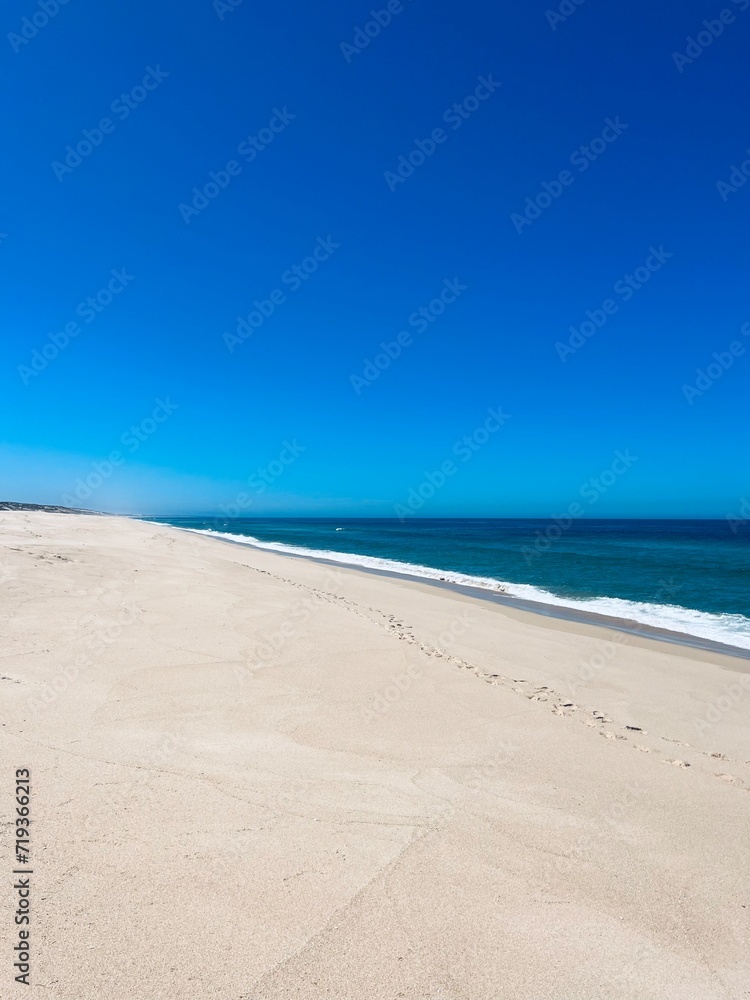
(304,135)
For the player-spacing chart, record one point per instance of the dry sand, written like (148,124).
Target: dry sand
(255,776)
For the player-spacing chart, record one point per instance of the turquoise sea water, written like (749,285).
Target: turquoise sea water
(686,576)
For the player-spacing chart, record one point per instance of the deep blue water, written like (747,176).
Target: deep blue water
(655,566)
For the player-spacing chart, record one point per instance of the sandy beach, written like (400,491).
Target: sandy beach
(257,777)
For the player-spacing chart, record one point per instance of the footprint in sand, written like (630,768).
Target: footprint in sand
(565,708)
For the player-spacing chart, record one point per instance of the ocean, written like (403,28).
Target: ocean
(689,577)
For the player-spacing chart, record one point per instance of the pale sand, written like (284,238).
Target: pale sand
(224,811)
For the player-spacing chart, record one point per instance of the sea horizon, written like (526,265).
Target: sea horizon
(353,517)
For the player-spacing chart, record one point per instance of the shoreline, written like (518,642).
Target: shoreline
(538,608)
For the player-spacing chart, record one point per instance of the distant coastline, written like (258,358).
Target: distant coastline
(47,508)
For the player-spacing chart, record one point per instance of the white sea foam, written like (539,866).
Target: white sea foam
(734,630)
(731,629)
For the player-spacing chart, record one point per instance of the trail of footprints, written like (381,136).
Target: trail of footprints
(559,705)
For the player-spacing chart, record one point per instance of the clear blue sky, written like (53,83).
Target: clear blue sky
(199,78)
